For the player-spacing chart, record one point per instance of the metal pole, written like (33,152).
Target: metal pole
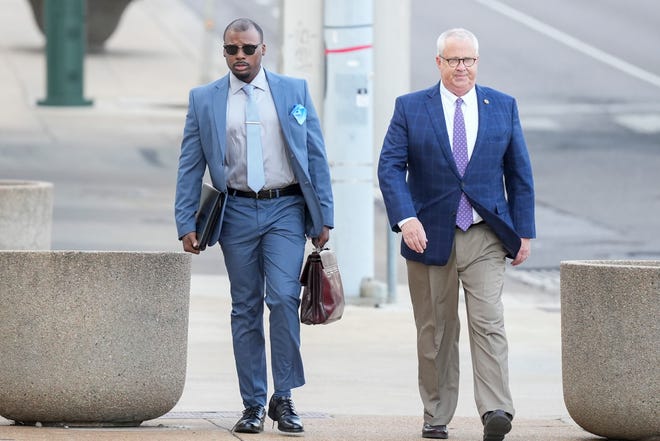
(64,22)
(391,79)
(391,264)
(348,134)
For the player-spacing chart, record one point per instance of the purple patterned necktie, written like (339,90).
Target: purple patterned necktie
(464,216)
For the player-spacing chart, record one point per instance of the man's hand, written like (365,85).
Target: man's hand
(190,244)
(524,252)
(414,235)
(323,238)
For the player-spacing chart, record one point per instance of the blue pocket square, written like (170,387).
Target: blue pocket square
(299,113)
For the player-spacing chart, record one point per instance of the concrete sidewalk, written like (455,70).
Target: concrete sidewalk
(114,166)
(336,428)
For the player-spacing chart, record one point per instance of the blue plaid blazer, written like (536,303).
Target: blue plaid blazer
(418,176)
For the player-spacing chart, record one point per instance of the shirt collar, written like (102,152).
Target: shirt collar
(469,98)
(258,82)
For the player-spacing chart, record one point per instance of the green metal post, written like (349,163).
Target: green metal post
(64,22)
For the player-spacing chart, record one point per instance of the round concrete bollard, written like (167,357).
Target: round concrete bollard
(92,339)
(610,339)
(26,215)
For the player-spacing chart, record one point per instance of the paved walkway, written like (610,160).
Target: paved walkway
(361,371)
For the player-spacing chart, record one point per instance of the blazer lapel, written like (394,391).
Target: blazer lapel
(280,96)
(437,117)
(219,106)
(484,105)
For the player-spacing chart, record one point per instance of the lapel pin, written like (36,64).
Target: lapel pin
(486,101)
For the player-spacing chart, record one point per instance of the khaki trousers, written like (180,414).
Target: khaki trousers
(478,262)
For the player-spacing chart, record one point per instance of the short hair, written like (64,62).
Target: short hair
(242,25)
(459,33)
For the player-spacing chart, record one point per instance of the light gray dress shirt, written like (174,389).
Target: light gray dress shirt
(277,168)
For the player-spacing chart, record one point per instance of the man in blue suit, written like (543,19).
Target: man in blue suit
(273,204)
(457,182)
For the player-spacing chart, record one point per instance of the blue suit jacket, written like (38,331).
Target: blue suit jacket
(204,144)
(418,176)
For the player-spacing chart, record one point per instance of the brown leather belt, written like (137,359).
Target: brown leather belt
(289,190)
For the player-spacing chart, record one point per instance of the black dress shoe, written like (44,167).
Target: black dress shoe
(496,424)
(436,432)
(281,409)
(252,420)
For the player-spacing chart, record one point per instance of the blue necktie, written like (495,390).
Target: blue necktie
(255,162)
(464,216)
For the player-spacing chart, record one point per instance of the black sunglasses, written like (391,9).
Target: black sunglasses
(248,49)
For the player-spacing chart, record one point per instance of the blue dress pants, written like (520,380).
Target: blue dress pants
(263,243)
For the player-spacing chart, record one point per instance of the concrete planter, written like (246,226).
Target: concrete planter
(92,338)
(610,341)
(26,215)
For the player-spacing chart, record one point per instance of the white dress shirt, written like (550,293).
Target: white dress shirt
(470,114)
(277,168)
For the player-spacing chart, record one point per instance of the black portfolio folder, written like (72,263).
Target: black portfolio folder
(209,213)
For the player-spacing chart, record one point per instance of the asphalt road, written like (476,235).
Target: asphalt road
(588,89)
(586,76)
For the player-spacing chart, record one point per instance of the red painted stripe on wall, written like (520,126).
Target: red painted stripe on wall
(348,49)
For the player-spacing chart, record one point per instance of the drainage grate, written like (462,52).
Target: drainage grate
(201,415)
(230,414)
